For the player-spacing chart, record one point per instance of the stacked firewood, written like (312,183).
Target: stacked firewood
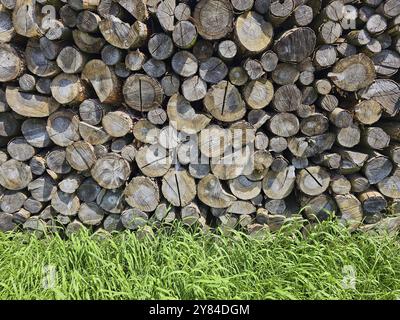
(124,113)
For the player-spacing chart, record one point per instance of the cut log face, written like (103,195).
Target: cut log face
(350,209)
(12,64)
(253,32)
(224,102)
(295,45)
(142,193)
(178,187)
(313,180)
(63,127)
(142,92)
(103,80)
(153,160)
(353,73)
(213,18)
(30,105)
(111,171)
(211,193)
(80,155)
(15,175)
(183,117)
(258,93)
(278,185)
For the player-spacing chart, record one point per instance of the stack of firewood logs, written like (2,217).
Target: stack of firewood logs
(118,114)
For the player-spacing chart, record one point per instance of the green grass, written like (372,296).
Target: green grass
(182,264)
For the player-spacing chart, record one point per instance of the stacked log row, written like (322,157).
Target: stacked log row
(124,114)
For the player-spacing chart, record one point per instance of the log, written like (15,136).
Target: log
(62,127)
(165,14)
(142,93)
(194,88)
(213,70)
(224,102)
(142,193)
(278,185)
(27,82)
(350,209)
(80,155)
(211,193)
(295,45)
(12,201)
(117,123)
(227,50)
(160,46)
(56,161)
(12,64)
(258,93)
(71,60)
(372,201)
(70,183)
(284,124)
(375,138)
(19,149)
(121,34)
(253,33)
(153,161)
(15,175)
(68,89)
(111,171)
(87,42)
(67,204)
(184,34)
(377,168)
(25,19)
(368,112)
(178,187)
(35,133)
(104,81)
(134,218)
(313,180)
(91,214)
(353,73)
(184,118)
(111,55)
(213,18)
(287,98)
(285,73)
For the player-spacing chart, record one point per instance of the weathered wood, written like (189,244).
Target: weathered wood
(253,33)
(80,155)
(278,185)
(121,34)
(183,117)
(111,171)
(104,81)
(295,45)
(142,193)
(71,60)
(68,89)
(117,123)
(184,34)
(12,63)
(178,187)
(211,193)
(353,73)
(142,92)
(313,180)
(213,18)
(350,209)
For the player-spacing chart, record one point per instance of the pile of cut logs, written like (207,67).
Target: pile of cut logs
(122,114)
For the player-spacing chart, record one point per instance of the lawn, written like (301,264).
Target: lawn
(187,264)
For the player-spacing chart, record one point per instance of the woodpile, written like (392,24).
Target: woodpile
(120,114)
